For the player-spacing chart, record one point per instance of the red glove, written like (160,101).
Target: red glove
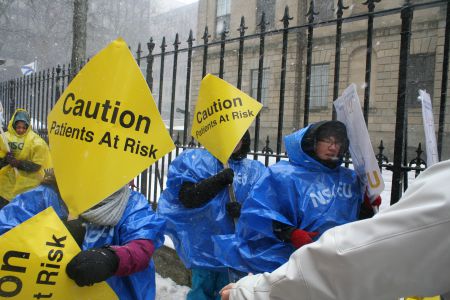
(300,237)
(376,202)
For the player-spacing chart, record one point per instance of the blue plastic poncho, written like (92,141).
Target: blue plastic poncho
(191,228)
(138,222)
(303,193)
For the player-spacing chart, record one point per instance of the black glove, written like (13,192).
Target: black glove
(11,160)
(297,237)
(92,266)
(24,165)
(194,195)
(233,209)
(224,177)
(282,231)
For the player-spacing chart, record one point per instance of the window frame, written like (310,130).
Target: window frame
(326,10)
(223,14)
(269,8)
(418,74)
(323,87)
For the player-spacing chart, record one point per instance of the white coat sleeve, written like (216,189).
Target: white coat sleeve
(404,250)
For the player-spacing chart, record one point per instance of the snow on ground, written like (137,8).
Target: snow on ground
(167,289)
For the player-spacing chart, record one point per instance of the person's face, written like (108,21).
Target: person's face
(328,149)
(21,127)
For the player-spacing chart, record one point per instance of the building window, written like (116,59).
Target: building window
(319,86)
(420,77)
(264,85)
(268,7)
(222,16)
(325,8)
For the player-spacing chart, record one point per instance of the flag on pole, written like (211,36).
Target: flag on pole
(29,68)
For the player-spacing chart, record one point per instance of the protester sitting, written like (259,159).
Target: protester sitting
(196,204)
(296,201)
(118,237)
(23,160)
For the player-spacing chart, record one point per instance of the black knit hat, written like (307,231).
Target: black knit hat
(245,148)
(334,129)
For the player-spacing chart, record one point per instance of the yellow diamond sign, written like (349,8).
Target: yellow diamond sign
(35,255)
(105,129)
(222,115)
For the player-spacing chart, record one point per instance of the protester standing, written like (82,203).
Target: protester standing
(296,201)
(196,204)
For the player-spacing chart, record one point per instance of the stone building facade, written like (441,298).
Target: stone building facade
(424,62)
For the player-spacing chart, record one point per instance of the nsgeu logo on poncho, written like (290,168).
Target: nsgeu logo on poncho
(34,256)
(105,129)
(222,115)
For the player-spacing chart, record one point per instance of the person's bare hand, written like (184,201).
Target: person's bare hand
(225,291)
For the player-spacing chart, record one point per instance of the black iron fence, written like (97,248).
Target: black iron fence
(291,51)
